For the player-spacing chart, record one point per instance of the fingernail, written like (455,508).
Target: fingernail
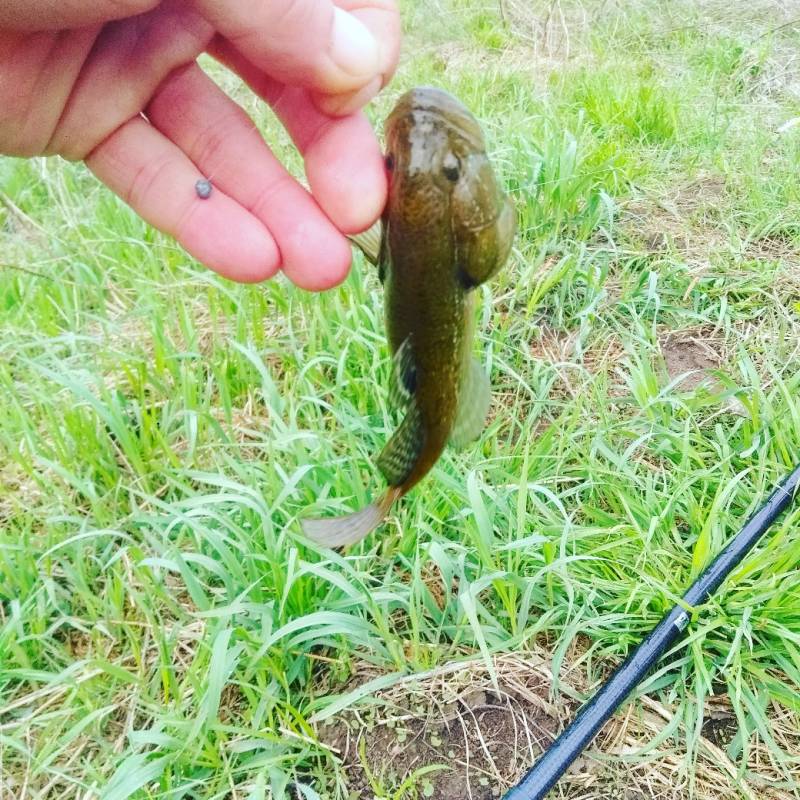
(353,47)
(340,105)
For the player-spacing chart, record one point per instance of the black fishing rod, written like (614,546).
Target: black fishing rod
(555,761)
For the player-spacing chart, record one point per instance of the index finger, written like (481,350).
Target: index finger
(343,160)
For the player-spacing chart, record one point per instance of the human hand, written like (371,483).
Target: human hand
(115,83)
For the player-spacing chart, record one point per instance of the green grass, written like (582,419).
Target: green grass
(165,631)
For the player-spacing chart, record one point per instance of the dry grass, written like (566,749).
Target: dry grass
(482,730)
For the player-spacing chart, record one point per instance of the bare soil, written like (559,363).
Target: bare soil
(468,738)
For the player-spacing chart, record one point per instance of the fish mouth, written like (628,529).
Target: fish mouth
(431,102)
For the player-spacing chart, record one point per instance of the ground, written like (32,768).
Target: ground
(165,630)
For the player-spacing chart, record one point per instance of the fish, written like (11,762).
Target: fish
(446,229)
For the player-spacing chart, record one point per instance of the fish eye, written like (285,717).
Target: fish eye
(389,162)
(451,167)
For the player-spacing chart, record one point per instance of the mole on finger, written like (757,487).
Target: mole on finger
(203,188)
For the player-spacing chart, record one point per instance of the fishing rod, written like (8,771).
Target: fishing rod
(555,761)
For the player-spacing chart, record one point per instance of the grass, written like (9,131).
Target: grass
(165,631)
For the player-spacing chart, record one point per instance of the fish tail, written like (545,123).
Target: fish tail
(351,528)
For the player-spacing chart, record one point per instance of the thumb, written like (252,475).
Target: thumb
(314,44)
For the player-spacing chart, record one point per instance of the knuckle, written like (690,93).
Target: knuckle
(129,8)
(296,16)
(184,221)
(212,142)
(21,133)
(145,180)
(271,192)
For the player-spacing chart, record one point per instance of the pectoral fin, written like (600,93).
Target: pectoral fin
(403,380)
(474,399)
(370,242)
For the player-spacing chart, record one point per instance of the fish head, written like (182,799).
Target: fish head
(440,175)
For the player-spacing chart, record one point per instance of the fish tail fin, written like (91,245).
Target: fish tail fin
(351,528)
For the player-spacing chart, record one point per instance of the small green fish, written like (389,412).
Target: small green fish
(447,228)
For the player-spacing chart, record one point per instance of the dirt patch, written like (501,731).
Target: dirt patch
(578,365)
(689,359)
(19,492)
(689,355)
(720,725)
(455,734)
(249,426)
(538,43)
(683,221)
(563,347)
(471,733)
(471,742)
(553,346)
(128,331)
(774,248)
